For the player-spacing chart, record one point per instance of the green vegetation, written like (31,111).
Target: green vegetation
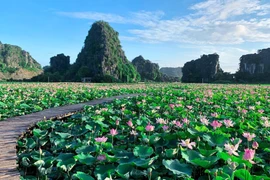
(21,99)
(172,132)
(13,58)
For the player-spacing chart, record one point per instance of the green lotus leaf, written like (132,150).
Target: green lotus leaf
(144,163)
(243,174)
(82,176)
(85,159)
(170,153)
(124,170)
(177,168)
(143,151)
(103,171)
(65,161)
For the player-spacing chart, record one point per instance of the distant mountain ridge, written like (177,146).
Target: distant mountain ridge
(149,71)
(16,63)
(172,71)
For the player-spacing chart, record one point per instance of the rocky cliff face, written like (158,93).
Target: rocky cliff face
(172,72)
(256,63)
(16,63)
(59,63)
(147,69)
(203,69)
(102,57)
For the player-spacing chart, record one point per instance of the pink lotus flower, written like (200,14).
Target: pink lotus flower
(264,118)
(228,123)
(161,121)
(178,124)
(261,111)
(204,120)
(113,132)
(214,114)
(188,144)
(232,148)
(101,157)
(266,123)
(189,107)
(249,136)
(171,106)
(249,155)
(215,124)
(244,111)
(117,122)
(165,128)
(130,124)
(101,139)
(149,127)
(186,121)
(255,145)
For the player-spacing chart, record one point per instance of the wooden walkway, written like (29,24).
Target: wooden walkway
(12,128)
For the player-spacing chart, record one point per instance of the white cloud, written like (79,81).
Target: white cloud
(224,9)
(211,26)
(213,22)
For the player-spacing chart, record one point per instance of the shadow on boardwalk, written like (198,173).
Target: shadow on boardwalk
(12,128)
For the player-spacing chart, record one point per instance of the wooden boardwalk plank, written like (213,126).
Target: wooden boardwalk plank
(11,129)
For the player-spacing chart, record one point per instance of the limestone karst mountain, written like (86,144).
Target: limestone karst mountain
(255,67)
(102,57)
(16,63)
(203,69)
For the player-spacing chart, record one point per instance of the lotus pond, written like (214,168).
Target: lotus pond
(181,132)
(18,99)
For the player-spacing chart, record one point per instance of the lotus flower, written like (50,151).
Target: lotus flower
(165,128)
(204,120)
(186,121)
(187,143)
(215,124)
(130,124)
(149,127)
(113,132)
(249,155)
(232,148)
(101,157)
(134,133)
(228,123)
(255,145)
(249,136)
(178,124)
(101,139)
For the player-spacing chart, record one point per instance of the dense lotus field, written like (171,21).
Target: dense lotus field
(186,132)
(24,98)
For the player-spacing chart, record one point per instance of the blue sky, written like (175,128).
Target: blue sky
(167,32)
